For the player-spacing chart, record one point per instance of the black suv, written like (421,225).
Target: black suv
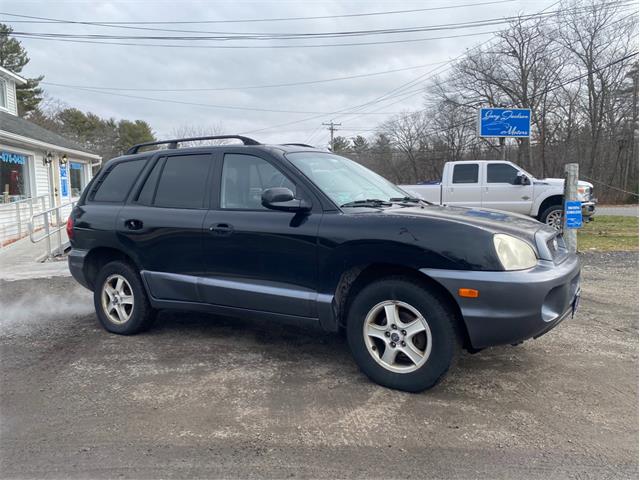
(290,232)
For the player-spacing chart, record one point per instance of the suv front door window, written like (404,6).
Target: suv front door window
(244,178)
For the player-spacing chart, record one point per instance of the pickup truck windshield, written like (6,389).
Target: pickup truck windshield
(343,180)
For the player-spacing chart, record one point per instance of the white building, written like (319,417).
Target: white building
(38,168)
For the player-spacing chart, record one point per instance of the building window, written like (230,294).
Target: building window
(3,94)
(14,184)
(76,178)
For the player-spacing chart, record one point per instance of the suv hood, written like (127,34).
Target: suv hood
(493,221)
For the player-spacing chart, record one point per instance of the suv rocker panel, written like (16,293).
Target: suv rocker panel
(169,290)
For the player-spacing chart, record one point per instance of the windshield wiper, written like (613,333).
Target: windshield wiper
(410,200)
(369,202)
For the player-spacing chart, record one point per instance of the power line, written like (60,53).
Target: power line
(253,20)
(248,87)
(207,105)
(286,124)
(235,47)
(226,36)
(410,93)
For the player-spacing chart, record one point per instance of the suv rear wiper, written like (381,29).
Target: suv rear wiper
(410,200)
(369,202)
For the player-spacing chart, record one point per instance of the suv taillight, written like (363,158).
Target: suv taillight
(70,227)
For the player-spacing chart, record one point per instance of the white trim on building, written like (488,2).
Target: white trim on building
(38,168)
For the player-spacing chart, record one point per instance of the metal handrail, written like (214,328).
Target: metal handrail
(30,199)
(19,208)
(59,226)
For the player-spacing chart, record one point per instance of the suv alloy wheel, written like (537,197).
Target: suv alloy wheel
(121,301)
(402,335)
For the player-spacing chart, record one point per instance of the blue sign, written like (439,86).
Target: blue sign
(10,157)
(504,122)
(573,214)
(64,181)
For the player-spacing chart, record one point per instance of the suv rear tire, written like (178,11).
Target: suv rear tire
(121,301)
(402,335)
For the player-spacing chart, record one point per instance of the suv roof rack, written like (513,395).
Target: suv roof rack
(297,145)
(173,143)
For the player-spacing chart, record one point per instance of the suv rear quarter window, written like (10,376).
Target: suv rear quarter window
(115,185)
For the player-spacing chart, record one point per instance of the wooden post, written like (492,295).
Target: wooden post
(570,194)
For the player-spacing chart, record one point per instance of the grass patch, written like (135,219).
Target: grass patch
(609,233)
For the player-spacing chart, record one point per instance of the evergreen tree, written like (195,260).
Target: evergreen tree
(14,57)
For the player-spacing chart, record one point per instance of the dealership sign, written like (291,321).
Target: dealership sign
(504,122)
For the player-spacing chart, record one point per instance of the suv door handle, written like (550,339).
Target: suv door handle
(133,224)
(221,229)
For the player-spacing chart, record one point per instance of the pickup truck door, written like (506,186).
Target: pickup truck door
(502,191)
(461,185)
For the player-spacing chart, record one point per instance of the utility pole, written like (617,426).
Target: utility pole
(332,128)
(503,147)
(570,195)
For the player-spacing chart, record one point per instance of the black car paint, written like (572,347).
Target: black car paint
(277,264)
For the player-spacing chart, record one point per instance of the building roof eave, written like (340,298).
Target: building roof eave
(13,76)
(95,159)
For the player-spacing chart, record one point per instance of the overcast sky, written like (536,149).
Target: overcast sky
(146,67)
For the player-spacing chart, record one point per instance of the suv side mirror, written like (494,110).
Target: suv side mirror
(521,179)
(280,198)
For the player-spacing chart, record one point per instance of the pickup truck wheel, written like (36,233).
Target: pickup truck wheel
(120,300)
(402,335)
(553,216)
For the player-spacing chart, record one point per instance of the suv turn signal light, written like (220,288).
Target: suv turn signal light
(468,292)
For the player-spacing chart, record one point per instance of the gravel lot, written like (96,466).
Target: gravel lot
(201,396)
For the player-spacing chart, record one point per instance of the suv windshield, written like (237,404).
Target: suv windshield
(343,180)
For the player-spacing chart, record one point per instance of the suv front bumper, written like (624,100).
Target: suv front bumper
(513,306)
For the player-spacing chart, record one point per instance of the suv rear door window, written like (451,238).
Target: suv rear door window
(245,177)
(501,173)
(118,181)
(183,181)
(465,173)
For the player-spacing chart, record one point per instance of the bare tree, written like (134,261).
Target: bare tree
(187,131)
(407,133)
(595,36)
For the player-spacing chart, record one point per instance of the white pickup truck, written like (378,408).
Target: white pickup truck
(503,185)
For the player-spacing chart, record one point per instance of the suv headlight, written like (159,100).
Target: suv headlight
(514,254)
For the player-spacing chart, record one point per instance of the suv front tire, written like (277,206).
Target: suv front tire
(121,301)
(402,335)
